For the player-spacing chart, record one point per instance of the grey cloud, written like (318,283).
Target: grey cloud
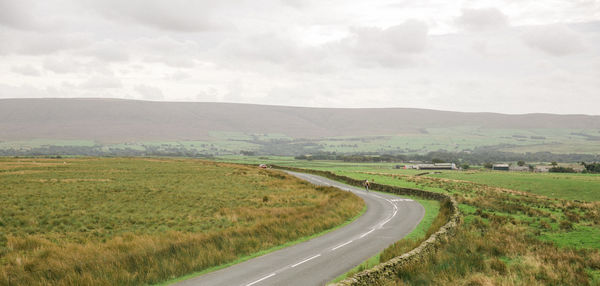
(482,19)
(38,43)
(27,91)
(101,82)
(556,40)
(16,14)
(149,92)
(107,51)
(176,15)
(169,51)
(27,70)
(65,65)
(235,91)
(178,76)
(263,47)
(391,47)
(210,94)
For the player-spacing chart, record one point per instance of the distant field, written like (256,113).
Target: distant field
(554,185)
(139,220)
(454,139)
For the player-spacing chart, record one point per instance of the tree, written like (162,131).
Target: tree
(521,163)
(488,165)
(591,167)
(465,166)
(554,163)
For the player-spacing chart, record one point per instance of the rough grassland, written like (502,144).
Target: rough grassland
(128,221)
(510,235)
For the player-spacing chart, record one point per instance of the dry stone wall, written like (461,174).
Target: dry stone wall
(388,271)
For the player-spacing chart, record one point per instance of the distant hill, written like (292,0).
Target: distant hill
(112,120)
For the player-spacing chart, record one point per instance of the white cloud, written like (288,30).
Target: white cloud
(460,55)
(149,92)
(557,40)
(101,82)
(63,65)
(482,19)
(26,70)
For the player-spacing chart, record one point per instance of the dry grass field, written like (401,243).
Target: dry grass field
(126,221)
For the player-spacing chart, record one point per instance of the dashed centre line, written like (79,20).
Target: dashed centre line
(343,244)
(261,279)
(366,233)
(305,260)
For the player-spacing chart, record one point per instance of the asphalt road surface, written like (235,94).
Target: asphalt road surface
(317,261)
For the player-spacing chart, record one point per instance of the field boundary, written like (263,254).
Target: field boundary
(388,270)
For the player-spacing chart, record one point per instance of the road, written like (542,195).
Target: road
(319,260)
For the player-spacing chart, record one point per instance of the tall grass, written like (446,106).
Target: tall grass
(509,237)
(139,221)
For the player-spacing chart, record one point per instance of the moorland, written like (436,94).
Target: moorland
(131,221)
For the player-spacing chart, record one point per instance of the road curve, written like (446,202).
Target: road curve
(319,260)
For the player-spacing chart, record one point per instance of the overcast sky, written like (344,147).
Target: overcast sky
(502,56)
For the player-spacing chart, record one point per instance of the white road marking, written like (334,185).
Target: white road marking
(261,279)
(305,260)
(366,233)
(402,200)
(343,244)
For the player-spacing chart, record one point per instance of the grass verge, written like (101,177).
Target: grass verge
(418,233)
(261,253)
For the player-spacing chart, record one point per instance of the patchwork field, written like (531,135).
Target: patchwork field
(519,228)
(132,221)
(454,139)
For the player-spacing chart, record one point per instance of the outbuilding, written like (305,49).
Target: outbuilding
(500,167)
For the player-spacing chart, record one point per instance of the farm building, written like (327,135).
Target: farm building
(519,168)
(500,167)
(437,166)
(542,169)
(406,167)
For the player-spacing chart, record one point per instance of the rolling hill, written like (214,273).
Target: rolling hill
(129,120)
(115,121)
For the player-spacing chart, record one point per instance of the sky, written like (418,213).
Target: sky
(507,56)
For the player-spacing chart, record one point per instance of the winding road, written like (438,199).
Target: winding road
(317,261)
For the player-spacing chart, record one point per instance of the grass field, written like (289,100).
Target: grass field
(584,187)
(126,221)
(555,185)
(519,228)
(455,139)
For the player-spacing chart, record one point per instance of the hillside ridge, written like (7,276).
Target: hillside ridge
(134,120)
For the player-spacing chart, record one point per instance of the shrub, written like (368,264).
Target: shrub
(562,170)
